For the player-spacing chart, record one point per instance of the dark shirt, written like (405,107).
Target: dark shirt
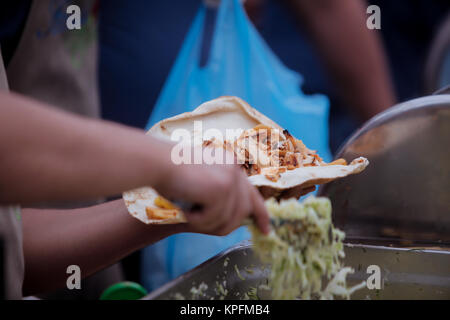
(139,44)
(13,14)
(408,28)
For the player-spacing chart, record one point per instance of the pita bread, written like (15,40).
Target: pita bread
(224,113)
(228,113)
(141,202)
(310,176)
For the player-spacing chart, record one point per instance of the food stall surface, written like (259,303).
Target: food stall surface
(236,272)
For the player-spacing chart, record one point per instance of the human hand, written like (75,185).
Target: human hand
(224,194)
(295,192)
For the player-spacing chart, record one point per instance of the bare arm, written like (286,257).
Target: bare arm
(352,54)
(49,155)
(92,238)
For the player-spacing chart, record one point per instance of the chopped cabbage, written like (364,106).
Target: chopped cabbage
(179,296)
(238,273)
(252,294)
(221,291)
(199,291)
(303,253)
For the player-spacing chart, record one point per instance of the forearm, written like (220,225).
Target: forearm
(49,155)
(353,54)
(92,238)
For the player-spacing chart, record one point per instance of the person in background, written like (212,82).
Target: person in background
(54,156)
(408,28)
(46,61)
(144,39)
(327,41)
(350,68)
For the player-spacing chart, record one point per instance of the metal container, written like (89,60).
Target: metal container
(403,196)
(405,274)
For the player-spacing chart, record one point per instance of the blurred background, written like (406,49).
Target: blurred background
(326,42)
(139,44)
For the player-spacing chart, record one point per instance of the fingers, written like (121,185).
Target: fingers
(296,192)
(237,201)
(249,203)
(260,213)
(208,191)
(234,206)
(228,198)
(268,192)
(220,196)
(308,190)
(198,222)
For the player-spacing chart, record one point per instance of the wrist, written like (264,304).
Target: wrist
(158,165)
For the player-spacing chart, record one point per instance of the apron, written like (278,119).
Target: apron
(11,235)
(56,66)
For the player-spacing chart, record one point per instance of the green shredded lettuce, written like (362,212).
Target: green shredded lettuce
(252,294)
(238,273)
(199,292)
(302,254)
(221,291)
(179,296)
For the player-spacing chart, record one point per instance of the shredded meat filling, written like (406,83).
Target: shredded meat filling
(266,150)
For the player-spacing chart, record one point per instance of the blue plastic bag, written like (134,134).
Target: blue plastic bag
(241,64)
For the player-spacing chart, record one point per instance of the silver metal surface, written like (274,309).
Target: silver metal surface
(444,90)
(435,63)
(403,196)
(406,274)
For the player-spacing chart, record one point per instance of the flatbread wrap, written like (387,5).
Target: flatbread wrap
(269,154)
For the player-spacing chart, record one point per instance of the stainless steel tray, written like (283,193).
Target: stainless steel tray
(405,273)
(403,197)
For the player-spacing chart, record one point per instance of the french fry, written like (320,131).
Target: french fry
(164,203)
(160,214)
(341,162)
